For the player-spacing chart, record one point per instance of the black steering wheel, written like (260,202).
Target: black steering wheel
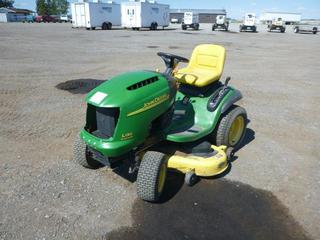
(171,60)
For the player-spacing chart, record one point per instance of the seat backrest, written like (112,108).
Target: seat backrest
(210,57)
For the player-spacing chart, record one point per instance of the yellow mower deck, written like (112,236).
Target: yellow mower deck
(202,166)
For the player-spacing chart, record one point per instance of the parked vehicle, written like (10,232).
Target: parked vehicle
(174,20)
(45,19)
(190,20)
(249,23)
(277,24)
(305,29)
(30,19)
(221,23)
(144,14)
(64,18)
(91,15)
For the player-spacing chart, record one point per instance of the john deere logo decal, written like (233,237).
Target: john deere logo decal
(126,136)
(148,105)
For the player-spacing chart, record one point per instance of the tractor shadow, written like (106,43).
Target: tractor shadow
(248,138)
(79,86)
(218,210)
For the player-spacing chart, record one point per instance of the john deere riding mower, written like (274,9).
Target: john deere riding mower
(183,119)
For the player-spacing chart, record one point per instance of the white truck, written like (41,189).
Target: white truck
(90,15)
(221,23)
(190,20)
(144,14)
(249,23)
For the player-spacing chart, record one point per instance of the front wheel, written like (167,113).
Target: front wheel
(232,127)
(151,176)
(80,155)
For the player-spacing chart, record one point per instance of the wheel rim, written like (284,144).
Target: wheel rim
(162,177)
(236,130)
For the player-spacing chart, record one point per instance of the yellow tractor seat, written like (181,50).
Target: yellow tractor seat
(205,66)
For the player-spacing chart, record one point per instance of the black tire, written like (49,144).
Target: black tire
(254,29)
(282,30)
(183,27)
(154,26)
(213,28)
(80,155)
(314,30)
(148,178)
(109,27)
(191,178)
(296,30)
(223,128)
(104,26)
(196,27)
(93,28)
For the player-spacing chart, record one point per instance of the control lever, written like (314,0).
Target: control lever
(227,81)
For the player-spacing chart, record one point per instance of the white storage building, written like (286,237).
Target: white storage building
(288,18)
(14,14)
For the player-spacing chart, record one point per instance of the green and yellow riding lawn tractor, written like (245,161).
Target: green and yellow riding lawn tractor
(182,119)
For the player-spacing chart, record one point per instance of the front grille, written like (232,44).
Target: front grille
(101,122)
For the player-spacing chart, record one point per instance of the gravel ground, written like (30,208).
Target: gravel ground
(44,195)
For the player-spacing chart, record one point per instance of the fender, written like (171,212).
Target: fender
(234,98)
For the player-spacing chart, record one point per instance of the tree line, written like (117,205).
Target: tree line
(52,7)
(44,7)
(6,3)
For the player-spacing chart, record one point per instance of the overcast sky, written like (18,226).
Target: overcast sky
(235,8)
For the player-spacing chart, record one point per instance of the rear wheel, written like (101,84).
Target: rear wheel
(154,26)
(104,26)
(296,30)
(80,155)
(151,176)
(232,127)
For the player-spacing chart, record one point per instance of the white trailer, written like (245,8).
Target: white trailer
(90,15)
(144,14)
(288,18)
(190,20)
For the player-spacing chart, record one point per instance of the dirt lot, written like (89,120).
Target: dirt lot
(271,192)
